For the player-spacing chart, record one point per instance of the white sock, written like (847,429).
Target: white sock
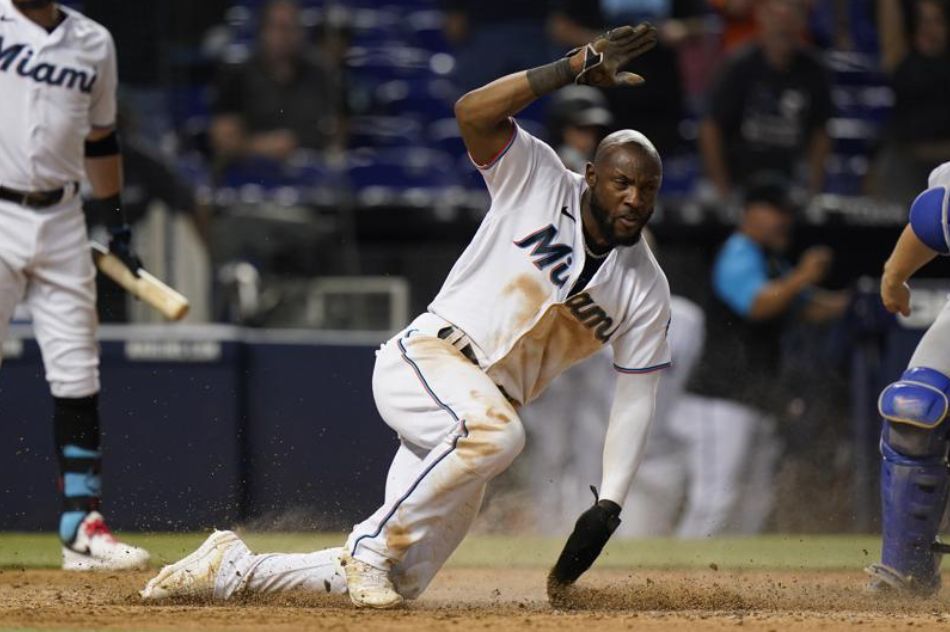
(319,572)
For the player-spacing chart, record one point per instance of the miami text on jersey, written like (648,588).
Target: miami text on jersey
(50,74)
(545,253)
(591,315)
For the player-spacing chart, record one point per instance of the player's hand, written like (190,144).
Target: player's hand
(613,50)
(895,295)
(120,244)
(815,264)
(591,532)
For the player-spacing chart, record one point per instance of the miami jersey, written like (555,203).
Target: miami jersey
(56,87)
(509,292)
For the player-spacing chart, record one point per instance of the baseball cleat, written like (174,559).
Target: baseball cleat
(368,586)
(194,575)
(95,549)
(885,579)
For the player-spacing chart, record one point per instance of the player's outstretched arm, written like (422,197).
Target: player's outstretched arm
(630,418)
(910,255)
(484,113)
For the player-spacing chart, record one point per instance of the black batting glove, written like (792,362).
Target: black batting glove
(591,532)
(611,51)
(120,244)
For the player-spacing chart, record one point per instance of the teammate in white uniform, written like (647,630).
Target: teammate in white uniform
(58,81)
(556,271)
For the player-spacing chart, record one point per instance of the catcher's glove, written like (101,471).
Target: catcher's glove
(613,50)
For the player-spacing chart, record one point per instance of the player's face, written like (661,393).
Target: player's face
(623,192)
(282,35)
(772,225)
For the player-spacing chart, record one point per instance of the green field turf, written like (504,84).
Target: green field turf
(791,552)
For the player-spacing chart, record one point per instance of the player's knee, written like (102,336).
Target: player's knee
(915,408)
(492,449)
(513,440)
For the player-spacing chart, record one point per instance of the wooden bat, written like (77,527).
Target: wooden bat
(171,304)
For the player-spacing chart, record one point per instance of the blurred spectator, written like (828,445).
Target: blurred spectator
(844,25)
(755,296)
(769,108)
(578,120)
(919,135)
(283,99)
(492,38)
(739,25)
(656,107)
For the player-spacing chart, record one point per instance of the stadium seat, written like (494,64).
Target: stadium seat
(415,176)
(385,131)
(426,98)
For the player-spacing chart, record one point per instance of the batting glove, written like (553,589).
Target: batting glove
(613,50)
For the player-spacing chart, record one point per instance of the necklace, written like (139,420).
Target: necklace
(591,253)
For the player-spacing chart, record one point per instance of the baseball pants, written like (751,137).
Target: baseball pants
(457,431)
(45,261)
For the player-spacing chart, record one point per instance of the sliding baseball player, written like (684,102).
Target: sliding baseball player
(556,271)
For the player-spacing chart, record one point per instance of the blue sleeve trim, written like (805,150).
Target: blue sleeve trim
(504,150)
(649,369)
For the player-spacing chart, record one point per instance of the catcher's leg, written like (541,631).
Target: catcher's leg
(914,475)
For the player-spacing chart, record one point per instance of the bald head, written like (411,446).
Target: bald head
(623,180)
(628,138)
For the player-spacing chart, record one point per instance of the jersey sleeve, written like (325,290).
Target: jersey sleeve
(644,346)
(102,107)
(939,177)
(524,162)
(738,277)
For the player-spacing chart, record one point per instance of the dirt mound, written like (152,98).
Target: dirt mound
(785,592)
(500,600)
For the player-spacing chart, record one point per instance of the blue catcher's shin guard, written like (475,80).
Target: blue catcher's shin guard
(915,478)
(913,496)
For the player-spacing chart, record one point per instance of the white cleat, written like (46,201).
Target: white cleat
(368,586)
(96,549)
(194,575)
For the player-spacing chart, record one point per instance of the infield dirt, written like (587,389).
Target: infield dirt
(496,599)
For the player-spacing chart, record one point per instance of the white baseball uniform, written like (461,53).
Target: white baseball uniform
(57,86)
(502,327)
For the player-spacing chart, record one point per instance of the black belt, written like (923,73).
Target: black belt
(33,199)
(466,351)
(469,354)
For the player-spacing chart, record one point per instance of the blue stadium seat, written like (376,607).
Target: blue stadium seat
(416,176)
(425,98)
(444,135)
(385,131)
(388,62)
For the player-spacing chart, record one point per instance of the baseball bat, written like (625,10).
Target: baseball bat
(170,303)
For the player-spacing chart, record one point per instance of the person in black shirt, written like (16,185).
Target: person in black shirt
(769,107)
(280,100)
(756,293)
(918,138)
(655,107)
(491,38)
